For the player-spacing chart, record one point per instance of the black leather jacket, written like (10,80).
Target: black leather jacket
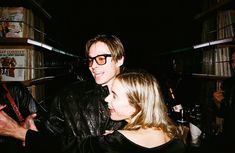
(26,105)
(77,112)
(228,106)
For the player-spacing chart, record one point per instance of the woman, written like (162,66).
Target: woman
(136,98)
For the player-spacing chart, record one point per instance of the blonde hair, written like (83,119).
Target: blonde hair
(143,92)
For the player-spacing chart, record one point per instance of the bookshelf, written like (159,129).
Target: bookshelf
(217,20)
(217,38)
(198,70)
(25,54)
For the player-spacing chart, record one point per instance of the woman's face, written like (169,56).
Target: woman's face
(118,103)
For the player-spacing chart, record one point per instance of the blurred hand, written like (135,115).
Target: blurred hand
(177,108)
(9,127)
(29,122)
(108,132)
(7,124)
(218,96)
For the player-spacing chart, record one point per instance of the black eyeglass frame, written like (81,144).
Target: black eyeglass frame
(91,59)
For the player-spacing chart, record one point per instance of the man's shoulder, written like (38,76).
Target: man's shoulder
(79,86)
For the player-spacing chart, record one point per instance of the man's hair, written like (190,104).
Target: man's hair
(114,44)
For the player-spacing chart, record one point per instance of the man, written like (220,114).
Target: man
(79,110)
(225,99)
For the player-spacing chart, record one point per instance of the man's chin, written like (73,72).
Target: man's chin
(100,82)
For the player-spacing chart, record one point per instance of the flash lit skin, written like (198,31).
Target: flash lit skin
(118,103)
(103,74)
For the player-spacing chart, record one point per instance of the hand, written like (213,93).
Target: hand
(9,127)
(7,124)
(108,132)
(177,108)
(2,107)
(29,123)
(218,96)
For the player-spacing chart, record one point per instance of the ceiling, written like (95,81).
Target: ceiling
(145,27)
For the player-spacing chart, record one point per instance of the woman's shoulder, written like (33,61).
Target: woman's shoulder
(151,138)
(78,86)
(120,141)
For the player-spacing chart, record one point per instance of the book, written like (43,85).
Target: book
(13,64)
(12,22)
(20,22)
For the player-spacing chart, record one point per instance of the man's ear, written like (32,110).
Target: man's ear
(120,62)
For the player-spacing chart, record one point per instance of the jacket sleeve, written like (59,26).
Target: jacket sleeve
(41,142)
(26,103)
(55,121)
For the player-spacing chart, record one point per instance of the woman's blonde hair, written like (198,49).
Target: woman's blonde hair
(144,93)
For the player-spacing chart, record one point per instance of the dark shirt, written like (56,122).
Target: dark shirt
(114,143)
(228,104)
(227,111)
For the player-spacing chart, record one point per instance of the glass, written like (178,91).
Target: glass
(184,115)
(99,59)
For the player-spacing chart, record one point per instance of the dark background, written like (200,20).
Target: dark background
(146,28)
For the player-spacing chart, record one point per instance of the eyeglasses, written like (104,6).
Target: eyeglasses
(99,59)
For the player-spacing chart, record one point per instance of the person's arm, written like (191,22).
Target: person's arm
(26,103)
(218,96)
(34,141)
(9,127)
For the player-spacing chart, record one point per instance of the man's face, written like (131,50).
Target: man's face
(103,74)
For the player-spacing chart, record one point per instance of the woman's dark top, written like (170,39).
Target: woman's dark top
(118,143)
(111,143)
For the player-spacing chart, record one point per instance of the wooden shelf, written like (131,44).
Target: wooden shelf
(14,41)
(209,76)
(225,41)
(33,4)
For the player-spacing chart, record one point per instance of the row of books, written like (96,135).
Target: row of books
(21,63)
(219,26)
(216,62)
(20,22)
(226,23)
